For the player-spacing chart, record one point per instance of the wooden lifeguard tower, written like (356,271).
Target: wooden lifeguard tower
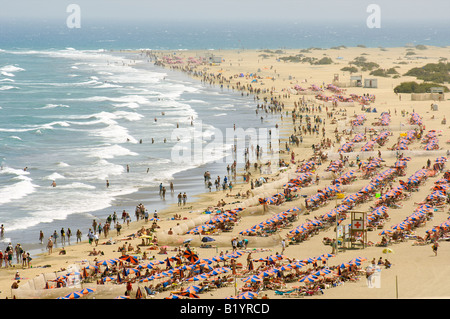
(358,229)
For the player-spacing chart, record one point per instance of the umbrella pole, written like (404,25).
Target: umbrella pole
(396,287)
(337,224)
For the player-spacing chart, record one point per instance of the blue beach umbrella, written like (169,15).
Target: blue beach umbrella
(247,295)
(253,278)
(74,295)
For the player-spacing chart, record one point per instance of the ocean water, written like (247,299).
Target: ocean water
(252,34)
(73,111)
(79,117)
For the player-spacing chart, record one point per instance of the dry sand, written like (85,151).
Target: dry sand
(416,272)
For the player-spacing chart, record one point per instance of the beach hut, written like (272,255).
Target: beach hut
(356,80)
(371,83)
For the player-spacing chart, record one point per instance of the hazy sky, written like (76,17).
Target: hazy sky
(228,10)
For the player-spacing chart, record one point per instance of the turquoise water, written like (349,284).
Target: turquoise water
(79,117)
(264,34)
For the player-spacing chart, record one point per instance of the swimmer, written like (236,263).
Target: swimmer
(54,184)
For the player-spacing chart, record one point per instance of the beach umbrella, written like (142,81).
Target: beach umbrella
(139,294)
(146,279)
(220,258)
(236,254)
(60,278)
(168,265)
(309,278)
(207,239)
(269,273)
(91,267)
(190,255)
(73,295)
(73,273)
(104,263)
(309,260)
(253,278)
(204,261)
(198,277)
(225,269)
(247,295)
(285,267)
(172,296)
(85,291)
(132,270)
(189,294)
(193,289)
(107,279)
(215,272)
(205,267)
(358,259)
(321,258)
(322,272)
(399,227)
(130,259)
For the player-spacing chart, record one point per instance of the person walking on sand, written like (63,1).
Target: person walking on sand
(118,228)
(94,226)
(63,236)
(184,198)
(180,198)
(41,237)
(50,245)
(18,250)
(24,259)
(69,233)
(435,247)
(29,260)
(55,237)
(79,236)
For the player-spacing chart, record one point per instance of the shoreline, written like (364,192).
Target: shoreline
(204,198)
(128,201)
(40,255)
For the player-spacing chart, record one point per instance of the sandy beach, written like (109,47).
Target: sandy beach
(416,271)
